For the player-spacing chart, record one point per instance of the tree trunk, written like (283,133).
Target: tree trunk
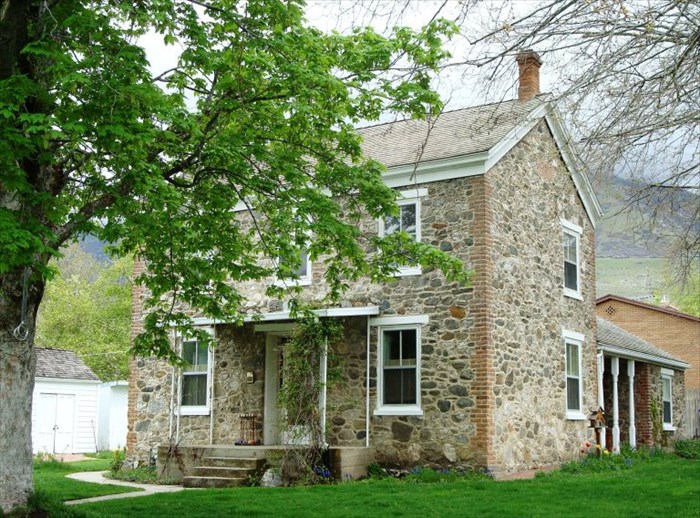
(17,367)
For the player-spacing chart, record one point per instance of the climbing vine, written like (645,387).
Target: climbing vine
(300,394)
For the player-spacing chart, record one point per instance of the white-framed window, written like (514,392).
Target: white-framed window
(574,380)
(301,273)
(667,398)
(398,365)
(195,378)
(572,259)
(409,221)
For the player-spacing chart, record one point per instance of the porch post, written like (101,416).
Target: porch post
(324,391)
(615,369)
(601,394)
(633,429)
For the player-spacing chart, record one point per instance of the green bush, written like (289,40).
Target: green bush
(142,475)
(687,448)
(44,504)
(115,465)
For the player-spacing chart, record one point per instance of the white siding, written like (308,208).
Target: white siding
(84,423)
(112,415)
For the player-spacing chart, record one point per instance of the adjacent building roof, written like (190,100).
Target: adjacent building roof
(619,342)
(61,364)
(660,309)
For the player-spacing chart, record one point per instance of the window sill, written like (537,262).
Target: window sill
(194,410)
(399,410)
(407,271)
(291,283)
(572,294)
(669,428)
(575,415)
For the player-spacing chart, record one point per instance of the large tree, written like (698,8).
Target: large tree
(87,309)
(258,112)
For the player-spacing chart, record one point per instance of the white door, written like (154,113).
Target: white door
(54,418)
(273,381)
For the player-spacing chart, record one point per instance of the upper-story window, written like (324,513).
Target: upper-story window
(408,220)
(301,273)
(667,398)
(572,259)
(194,399)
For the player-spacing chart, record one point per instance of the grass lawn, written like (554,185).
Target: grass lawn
(50,478)
(665,486)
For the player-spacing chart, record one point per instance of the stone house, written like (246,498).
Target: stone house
(499,376)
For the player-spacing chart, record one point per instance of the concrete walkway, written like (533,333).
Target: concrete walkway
(97,477)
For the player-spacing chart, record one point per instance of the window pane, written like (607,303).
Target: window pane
(571,276)
(408,219)
(572,394)
(572,367)
(666,389)
(194,390)
(303,269)
(667,412)
(202,356)
(570,248)
(392,348)
(189,352)
(408,347)
(400,387)
(391,225)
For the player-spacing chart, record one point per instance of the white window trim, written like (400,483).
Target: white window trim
(574,338)
(397,410)
(198,409)
(407,198)
(667,374)
(576,231)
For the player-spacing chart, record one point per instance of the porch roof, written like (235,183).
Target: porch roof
(618,342)
(277,316)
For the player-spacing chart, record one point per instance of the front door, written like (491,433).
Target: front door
(273,418)
(275,428)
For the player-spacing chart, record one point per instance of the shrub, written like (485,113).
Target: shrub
(142,475)
(117,460)
(687,448)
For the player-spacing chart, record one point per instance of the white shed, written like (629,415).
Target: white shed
(64,406)
(112,414)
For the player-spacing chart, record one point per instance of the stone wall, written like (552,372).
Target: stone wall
(532,190)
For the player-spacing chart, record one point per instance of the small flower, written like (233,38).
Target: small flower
(588,444)
(599,446)
(606,452)
(583,450)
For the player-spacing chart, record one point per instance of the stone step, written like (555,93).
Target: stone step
(212,482)
(233,462)
(228,472)
(239,452)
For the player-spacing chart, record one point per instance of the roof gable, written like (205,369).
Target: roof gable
(652,307)
(469,142)
(62,364)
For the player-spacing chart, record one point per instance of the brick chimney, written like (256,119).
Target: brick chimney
(528,74)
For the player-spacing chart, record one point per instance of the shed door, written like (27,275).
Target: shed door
(55,417)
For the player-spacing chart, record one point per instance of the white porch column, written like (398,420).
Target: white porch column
(633,428)
(615,369)
(601,394)
(324,391)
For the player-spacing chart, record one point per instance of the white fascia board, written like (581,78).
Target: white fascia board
(435,170)
(564,143)
(69,381)
(648,358)
(497,152)
(285,315)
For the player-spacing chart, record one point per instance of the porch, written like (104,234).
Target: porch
(228,466)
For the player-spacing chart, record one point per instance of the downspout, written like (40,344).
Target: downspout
(211,390)
(324,391)
(367,391)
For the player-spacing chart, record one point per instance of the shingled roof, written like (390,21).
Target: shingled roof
(455,133)
(616,340)
(61,364)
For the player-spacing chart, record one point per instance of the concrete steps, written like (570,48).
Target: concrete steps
(225,471)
